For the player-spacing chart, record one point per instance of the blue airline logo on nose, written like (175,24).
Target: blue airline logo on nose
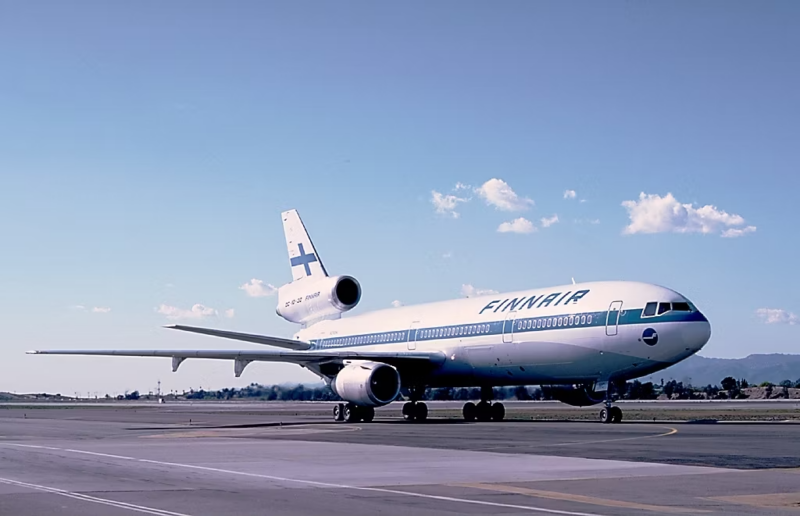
(650,337)
(304,259)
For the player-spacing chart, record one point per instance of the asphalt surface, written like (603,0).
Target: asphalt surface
(289,459)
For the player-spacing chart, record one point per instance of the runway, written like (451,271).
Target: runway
(288,459)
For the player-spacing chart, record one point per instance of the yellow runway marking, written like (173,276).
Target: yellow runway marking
(591,500)
(777,500)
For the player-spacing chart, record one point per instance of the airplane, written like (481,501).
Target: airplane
(575,340)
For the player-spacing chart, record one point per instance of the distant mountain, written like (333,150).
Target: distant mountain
(699,371)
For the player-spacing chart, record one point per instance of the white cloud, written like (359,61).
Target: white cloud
(397,303)
(446,204)
(735,233)
(468,290)
(777,316)
(447,255)
(547,222)
(462,186)
(230,313)
(520,225)
(101,310)
(257,288)
(497,193)
(570,194)
(197,311)
(655,214)
(78,307)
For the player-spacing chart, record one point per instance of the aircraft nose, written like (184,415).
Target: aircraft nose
(696,335)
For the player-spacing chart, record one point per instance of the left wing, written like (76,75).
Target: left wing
(242,358)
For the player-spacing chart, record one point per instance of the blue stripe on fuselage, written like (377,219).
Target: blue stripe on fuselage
(482,329)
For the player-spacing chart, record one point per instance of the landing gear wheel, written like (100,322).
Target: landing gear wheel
(616,415)
(469,411)
(351,413)
(408,411)
(605,415)
(498,411)
(420,411)
(367,414)
(338,412)
(484,411)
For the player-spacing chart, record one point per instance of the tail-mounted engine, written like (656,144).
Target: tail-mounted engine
(368,384)
(305,301)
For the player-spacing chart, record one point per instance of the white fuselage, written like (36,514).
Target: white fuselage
(590,332)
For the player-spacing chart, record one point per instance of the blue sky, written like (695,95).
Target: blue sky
(147,150)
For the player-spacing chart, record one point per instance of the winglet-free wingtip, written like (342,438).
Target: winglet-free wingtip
(32,352)
(170,326)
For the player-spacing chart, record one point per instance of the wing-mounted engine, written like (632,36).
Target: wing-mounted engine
(575,395)
(367,384)
(307,300)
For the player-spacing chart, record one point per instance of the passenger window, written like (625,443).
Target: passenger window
(549,322)
(571,320)
(681,307)
(663,308)
(649,310)
(588,319)
(583,319)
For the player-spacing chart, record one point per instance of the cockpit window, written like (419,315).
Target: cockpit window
(663,308)
(681,307)
(650,309)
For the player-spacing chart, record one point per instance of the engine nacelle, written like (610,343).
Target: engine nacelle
(304,300)
(575,395)
(369,384)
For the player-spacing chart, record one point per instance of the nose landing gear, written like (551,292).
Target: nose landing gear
(610,414)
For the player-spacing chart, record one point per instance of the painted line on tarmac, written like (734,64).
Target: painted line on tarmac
(314,483)
(91,499)
(589,500)
(672,431)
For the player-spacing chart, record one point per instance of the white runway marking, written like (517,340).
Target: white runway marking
(528,508)
(92,499)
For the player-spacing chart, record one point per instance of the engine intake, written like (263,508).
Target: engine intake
(370,384)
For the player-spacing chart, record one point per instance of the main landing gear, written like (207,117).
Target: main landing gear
(415,410)
(351,413)
(485,410)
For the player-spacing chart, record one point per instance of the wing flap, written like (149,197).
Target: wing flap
(247,337)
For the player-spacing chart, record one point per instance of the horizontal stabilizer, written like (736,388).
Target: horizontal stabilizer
(247,337)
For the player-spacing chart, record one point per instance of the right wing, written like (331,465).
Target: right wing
(242,358)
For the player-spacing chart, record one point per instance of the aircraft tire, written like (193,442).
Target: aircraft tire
(498,411)
(351,413)
(338,412)
(484,411)
(616,415)
(367,414)
(408,411)
(605,416)
(470,412)
(420,411)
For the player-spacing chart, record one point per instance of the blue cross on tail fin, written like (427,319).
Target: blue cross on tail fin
(303,257)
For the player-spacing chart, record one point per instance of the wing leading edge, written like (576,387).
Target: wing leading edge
(243,358)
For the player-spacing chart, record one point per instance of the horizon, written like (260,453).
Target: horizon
(430,156)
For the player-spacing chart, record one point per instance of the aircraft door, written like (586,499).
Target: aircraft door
(412,335)
(508,328)
(612,318)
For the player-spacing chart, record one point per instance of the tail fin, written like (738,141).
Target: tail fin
(302,256)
